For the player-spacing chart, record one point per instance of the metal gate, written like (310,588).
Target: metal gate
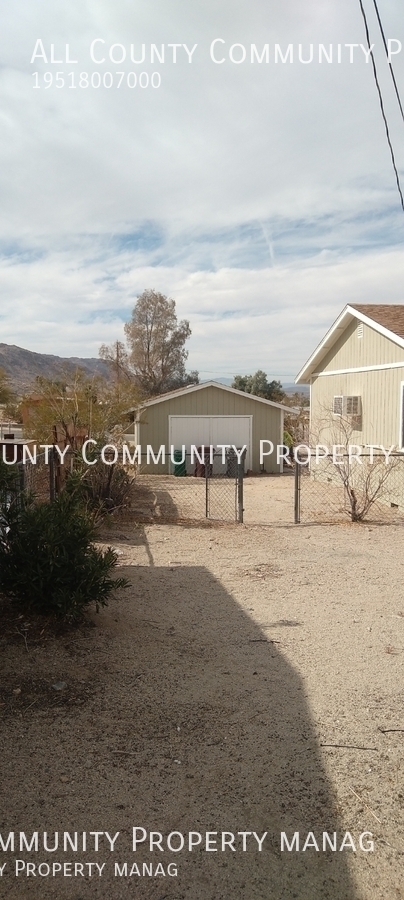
(224,491)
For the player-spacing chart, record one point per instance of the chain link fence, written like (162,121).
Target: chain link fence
(224,493)
(39,475)
(223,475)
(39,479)
(42,477)
(11,491)
(369,487)
(36,479)
(198,490)
(211,488)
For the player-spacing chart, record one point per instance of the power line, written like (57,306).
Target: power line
(388,60)
(382,106)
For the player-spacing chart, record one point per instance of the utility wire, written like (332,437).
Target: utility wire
(381,105)
(388,60)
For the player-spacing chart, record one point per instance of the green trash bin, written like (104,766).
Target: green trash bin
(180,465)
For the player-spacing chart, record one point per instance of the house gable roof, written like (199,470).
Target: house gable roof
(386,319)
(206,384)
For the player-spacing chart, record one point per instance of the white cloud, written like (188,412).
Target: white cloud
(261,197)
(241,318)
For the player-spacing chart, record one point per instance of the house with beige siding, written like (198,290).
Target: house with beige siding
(209,414)
(357,374)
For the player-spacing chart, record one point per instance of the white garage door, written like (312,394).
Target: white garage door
(211,431)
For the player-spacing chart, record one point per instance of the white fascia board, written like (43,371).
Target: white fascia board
(205,384)
(379,328)
(355,369)
(332,334)
(348,313)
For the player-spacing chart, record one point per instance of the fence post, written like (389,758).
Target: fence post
(298,476)
(52,473)
(22,479)
(240,492)
(206,491)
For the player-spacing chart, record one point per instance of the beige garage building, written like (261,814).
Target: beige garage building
(211,414)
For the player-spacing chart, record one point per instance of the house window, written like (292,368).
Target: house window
(337,406)
(353,406)
(347,406)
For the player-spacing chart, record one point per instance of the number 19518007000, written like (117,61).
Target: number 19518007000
(73,80)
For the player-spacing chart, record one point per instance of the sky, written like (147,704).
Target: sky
(178,147)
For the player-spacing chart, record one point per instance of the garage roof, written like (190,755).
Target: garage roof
(205,384)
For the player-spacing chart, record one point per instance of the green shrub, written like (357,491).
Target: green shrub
(9,477)
(102,488)
(48,561)
(287,439)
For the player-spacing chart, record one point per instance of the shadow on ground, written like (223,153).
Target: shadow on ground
(151,501)
(197,723)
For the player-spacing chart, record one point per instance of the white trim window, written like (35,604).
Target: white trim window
(338,405)
(351,407)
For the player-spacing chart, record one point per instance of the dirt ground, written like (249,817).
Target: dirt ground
(250,680)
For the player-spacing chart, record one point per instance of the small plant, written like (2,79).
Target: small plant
(100,487)
(366,479)
(10,487)
(48,561)
(9,478)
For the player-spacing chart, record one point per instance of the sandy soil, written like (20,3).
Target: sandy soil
(249,680)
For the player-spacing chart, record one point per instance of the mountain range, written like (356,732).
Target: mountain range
(23,366)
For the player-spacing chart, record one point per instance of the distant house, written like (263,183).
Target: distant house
(210,414)
(12,442)
(357,372)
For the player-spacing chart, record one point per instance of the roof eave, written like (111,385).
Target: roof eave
(190,389)
(328,341)
(339,326)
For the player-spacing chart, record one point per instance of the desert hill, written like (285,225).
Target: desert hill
(23,366)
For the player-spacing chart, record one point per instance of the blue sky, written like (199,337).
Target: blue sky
(260,196)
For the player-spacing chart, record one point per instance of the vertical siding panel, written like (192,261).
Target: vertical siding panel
(380,392)
(349,351)
(266,422)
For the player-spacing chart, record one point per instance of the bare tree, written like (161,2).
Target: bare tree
(365,473)
(156,340)
(74,407)
(116,355)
